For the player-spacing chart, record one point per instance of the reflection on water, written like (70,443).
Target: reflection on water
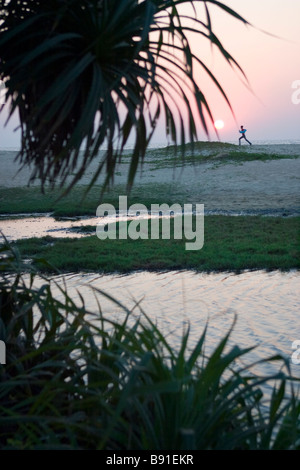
(16,227)
(41,226)
(266,305)
(28,227)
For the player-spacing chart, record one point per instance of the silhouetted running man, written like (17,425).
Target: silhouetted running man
(243,136)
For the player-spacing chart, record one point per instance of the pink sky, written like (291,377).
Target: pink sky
(271,65)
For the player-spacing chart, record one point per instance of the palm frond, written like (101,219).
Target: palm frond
(86,75)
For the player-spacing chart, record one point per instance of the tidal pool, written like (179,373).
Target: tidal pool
(266,306)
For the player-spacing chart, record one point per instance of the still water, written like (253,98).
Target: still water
(266,306)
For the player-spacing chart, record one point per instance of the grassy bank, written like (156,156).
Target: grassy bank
(77,203)
(230,244)
(203,152)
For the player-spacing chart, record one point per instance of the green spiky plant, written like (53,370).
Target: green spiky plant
(85,74)
(76,379)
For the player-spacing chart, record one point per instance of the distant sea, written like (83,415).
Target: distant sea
(165,144)
(270,142)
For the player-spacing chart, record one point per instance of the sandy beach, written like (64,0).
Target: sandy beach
(219,184)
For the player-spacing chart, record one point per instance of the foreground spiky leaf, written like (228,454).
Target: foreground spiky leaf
(85,75)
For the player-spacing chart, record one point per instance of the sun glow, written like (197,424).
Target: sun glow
(219,124)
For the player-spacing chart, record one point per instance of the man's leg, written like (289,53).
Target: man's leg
(248,141)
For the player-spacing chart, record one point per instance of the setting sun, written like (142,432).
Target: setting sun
(219,124)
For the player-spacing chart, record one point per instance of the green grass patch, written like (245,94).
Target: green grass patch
(204,152)
(230,244)
(224,157)
(78,202)
(29,200)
